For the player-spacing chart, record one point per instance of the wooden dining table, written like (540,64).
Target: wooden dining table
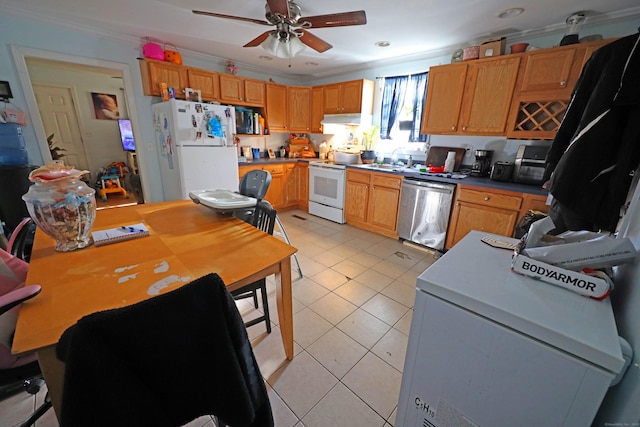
(186,241)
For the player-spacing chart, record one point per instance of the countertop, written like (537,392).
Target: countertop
(469,180)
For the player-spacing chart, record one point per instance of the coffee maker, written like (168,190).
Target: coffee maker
(482,165)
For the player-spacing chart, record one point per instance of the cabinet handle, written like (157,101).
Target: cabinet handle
(563,83)
(486,198)
(453,128)
(464,128)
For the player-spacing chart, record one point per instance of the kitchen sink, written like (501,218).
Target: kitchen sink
(384,167)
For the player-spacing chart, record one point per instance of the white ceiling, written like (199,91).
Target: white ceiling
(414,28)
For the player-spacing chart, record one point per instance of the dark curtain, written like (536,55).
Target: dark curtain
(419,96)
(392,100)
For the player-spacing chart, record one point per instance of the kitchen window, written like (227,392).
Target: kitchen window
(401,113)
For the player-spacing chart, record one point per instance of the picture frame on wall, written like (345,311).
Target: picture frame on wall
(105,106)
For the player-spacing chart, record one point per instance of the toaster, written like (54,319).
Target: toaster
(501,171)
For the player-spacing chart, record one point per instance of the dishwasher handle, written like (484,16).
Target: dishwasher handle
(432,185)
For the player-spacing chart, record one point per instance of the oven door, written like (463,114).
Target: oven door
(326,185)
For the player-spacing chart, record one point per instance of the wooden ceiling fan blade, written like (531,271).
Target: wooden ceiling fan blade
(258,40)
(237,18)
(358,17)
(314,42)
(280,7)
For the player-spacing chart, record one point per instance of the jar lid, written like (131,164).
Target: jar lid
(54,171)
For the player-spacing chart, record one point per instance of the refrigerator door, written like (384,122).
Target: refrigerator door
(196,123)
(191,159)
(207,168)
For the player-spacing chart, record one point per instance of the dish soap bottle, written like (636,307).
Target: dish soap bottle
(450,162)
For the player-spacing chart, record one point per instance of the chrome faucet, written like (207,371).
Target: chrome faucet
(394,156)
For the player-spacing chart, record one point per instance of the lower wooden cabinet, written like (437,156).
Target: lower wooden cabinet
(275,193)
(289,186)
(356,196)
(372,201)
(490,210)
(303,186)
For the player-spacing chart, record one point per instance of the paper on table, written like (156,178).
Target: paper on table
(119,234)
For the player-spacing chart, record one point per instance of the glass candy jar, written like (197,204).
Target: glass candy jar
(62,205)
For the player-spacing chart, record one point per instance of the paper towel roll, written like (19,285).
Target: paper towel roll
(450,162)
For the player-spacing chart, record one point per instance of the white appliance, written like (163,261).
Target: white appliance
(489,347)
(326,191)
(195,143)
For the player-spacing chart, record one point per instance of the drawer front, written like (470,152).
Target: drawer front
(243,170)
(274,169)
(383,180)
(487,198)
(356,176)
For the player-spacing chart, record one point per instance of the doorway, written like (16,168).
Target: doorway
(85,66)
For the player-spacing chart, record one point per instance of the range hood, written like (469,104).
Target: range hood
(355,119)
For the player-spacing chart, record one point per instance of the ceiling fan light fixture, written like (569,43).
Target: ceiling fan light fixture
(286,47)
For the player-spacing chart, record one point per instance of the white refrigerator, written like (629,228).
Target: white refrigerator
(195,146)
(489,347)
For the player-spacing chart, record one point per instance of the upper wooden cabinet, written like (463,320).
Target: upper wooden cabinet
(444,98)
(299,106)
(470,98)
(546,80)
(205,81)
(238,90)
(154,73)
(317,109)
(488,92)
(354,96)
(231,88)
(277,107)
(254,92)
(548,69)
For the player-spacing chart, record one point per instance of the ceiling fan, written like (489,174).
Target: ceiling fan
(291,33)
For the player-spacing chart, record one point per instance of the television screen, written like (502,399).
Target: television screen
(126,135)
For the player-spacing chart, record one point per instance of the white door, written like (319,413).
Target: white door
(59,118)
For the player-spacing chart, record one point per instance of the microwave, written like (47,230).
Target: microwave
(529,165)
(244,121)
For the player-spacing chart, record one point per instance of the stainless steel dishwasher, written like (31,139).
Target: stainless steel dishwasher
(425,207)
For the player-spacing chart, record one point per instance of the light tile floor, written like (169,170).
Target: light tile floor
(352,312)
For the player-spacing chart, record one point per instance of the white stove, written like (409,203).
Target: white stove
(326,190)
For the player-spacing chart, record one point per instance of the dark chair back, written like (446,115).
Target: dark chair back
(192,335)
(255,184)
(21,240)
(264,217)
